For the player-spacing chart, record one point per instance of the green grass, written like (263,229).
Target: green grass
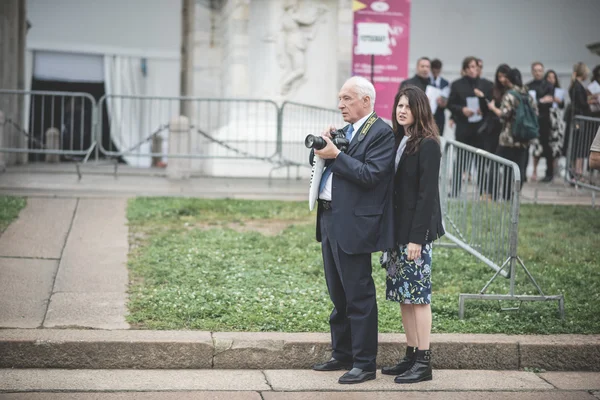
(9,210)
(201,264)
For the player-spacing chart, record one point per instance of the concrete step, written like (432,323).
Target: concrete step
(125,349)
(271,384)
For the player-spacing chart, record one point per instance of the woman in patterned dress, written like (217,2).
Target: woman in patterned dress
(557,122)
(417,223)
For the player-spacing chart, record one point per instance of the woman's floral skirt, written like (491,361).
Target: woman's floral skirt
(408,282)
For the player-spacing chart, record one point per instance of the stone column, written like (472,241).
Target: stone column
(345,17)
(12,65)
(187,55)
(179,143)
(21,140)
(235,18)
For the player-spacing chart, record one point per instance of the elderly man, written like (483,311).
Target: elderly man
(354,219)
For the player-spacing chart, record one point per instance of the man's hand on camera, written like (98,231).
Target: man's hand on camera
(329,151)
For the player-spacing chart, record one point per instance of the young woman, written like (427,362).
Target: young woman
(594,100)
(508,146)
(494,125)
(557,123)
(417,223)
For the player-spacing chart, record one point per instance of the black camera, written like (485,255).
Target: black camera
(337,137)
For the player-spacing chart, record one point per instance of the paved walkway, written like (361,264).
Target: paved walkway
(64,264)
(293,384)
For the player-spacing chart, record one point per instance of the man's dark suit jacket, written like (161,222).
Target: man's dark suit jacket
(417,212)
(361,192)
(417,81)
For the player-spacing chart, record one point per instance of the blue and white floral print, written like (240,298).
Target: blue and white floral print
(409,282)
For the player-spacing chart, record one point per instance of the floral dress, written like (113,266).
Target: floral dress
(408,282)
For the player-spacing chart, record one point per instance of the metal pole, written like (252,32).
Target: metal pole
(373,69)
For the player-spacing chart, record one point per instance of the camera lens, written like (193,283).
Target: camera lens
(314,142)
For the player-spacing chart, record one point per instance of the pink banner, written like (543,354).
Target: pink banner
(389,69)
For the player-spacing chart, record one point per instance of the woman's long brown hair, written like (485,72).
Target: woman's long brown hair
(424,125)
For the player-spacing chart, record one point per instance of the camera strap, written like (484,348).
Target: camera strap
(367,126)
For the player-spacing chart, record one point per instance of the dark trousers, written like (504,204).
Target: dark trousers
(465,133)
(545,132)
(517,155)
(440,120)
(353,321)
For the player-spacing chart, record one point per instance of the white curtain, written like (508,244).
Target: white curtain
(123,78)
(132,117)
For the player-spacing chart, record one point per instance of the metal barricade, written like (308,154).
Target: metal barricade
(298,120)
(582,133)
(217,128)
(480,194)
(59,125)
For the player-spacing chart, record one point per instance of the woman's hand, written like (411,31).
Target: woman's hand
(478,93)
(413,251)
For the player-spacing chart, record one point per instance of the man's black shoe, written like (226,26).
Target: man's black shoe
(357,375)
(547,179)
(332,365)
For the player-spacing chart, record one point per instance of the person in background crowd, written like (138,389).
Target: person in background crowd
(421,78)
(417,223)
(486,85)
(508,147)
(468,120)
(557,123)
(440,83)
(579,106)
(490,142)
(544,97)
(494,123)
(595,98)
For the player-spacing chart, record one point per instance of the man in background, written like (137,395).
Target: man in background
(544,96)
(421,78)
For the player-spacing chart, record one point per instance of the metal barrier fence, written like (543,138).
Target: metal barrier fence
(138,131)
(59,125)
(480,195)
(582,133)
(218,128)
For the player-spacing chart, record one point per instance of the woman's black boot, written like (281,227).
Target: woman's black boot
(404,364)
(420,371)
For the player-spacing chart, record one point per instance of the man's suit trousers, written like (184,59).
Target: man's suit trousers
(353,320)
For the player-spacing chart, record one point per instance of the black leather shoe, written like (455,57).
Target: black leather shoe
(420,371)
(357,375)
(404,365)
(332,365)
(547,179)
